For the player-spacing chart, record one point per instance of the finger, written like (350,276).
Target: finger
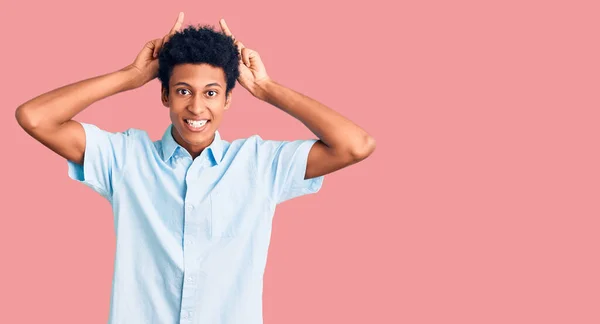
(176,28)
(149,44)
(255,61)
(157,48)
(178,24)
(225,28)
(246,56)
(239,46)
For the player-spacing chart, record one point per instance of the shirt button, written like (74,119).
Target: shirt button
(190,279)
(189,208)
(190,242)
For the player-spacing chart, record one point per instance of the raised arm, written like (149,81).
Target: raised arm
(341,142)
(49,117)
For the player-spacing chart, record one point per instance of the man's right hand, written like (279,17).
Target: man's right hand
(49,117)
(146,63)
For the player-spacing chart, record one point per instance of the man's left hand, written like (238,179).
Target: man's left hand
(252,70)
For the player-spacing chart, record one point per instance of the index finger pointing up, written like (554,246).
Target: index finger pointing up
(178,24)
(225,28)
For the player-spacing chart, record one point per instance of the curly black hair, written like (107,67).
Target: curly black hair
(196,45)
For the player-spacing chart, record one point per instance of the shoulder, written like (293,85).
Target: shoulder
(247,151)
(267,149)
(139,137)
(253,144)
(135,139)
(258,142)
(95,130)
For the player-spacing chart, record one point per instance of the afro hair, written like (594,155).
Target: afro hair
(197,45)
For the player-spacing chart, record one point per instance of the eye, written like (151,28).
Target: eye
(211,93)
(179,91)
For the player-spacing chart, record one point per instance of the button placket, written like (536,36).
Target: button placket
(189,207)
(196,222)
(187,316)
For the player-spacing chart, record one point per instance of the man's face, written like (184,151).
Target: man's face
(196,102)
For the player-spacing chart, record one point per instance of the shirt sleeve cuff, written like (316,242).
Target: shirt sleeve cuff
(82,173)
(300,185)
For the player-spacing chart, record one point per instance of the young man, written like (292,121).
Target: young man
(192,212)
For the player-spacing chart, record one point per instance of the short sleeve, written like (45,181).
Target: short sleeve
(285,163)
(104,159)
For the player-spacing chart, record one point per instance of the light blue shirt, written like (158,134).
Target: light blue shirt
(192,235)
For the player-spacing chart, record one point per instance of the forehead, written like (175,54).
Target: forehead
(197,75)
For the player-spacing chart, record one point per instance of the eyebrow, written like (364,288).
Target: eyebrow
(206,86)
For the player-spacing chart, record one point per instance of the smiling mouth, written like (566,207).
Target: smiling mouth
(196,123)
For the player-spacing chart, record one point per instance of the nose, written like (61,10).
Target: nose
(196,105)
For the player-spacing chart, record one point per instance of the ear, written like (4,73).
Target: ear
(164,96)
(227,100)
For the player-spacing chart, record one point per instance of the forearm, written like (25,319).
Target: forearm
(61,105)
(334,130)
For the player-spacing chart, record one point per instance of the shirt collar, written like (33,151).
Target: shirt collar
(169,145)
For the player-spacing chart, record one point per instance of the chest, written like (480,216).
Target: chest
(199,197)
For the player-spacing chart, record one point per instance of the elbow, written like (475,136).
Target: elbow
(25,118)
(363,149)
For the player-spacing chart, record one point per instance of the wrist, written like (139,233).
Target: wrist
(133,77)
(261,88)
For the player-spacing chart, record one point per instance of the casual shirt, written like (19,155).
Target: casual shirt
(191,234)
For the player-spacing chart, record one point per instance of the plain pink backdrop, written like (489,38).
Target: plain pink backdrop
(480,204)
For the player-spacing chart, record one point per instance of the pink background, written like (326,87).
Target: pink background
(480,204)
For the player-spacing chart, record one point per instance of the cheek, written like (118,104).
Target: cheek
(174,111)
(174,115)
(216,108)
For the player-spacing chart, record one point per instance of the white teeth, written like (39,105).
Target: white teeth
(196,123)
